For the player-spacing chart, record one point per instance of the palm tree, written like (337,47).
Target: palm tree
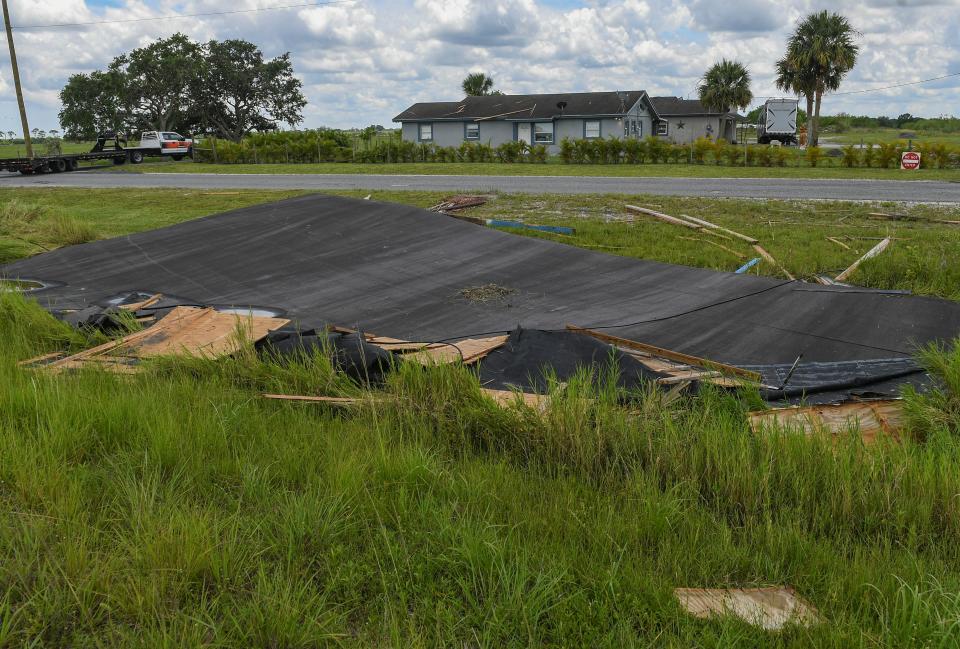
(477,84)
(790,79)
(725,85)
(820,52)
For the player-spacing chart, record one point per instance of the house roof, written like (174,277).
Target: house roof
(670,106)
(516,107)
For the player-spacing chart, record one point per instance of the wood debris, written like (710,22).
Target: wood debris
(506,398)
(769,259)
(458,202)
(143,304)
(712,226)
(332,401)
(469,351)
(839,243)
(668,354)
(664,217)
(871,418)
(873,252)
(769,608)
(185,331)
(733,252)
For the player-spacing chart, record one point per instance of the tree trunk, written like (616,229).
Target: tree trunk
(809,97)
(816,119)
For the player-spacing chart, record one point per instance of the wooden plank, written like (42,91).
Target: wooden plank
(769,608)
(470,350)
(666,218)
(839,243)
(332,401)
(769,258)
(873,252)
(506,398)
(689,375)
(667,353)
(872,418)
(38,360)
(713,226)
(136,306)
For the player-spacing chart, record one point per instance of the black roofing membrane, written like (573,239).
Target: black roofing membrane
(398,271)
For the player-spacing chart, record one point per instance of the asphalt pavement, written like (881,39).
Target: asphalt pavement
(913,191)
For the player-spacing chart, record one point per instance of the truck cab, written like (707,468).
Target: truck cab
(169,143)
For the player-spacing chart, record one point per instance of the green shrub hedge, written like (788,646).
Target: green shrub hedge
(328,145)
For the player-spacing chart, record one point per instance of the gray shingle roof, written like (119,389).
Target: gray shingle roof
(669,106)
(524,106)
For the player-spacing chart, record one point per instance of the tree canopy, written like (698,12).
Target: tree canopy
(725,85)
(221,87)
(478,84)
(820,52)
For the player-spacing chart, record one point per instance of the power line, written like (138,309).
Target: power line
(197,15)
(867,90)
(897,85)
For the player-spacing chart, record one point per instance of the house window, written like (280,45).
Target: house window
(472,132)
(591,129)
(638,128)
(426,132)
(663,127)
(543,133)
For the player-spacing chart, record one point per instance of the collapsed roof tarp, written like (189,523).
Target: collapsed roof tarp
(399,271)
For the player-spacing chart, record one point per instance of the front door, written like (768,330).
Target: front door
(523,132)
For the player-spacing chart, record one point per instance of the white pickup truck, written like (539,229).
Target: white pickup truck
(166,143)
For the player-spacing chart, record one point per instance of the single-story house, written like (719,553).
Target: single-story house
(547,119)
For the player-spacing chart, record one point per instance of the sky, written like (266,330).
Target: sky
(364,61)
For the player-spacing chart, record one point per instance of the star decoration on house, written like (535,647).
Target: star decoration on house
(680,124)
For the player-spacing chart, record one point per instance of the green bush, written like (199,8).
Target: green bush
(634,152)
(720,149)
(509,152)
(888,155)
(657,148)
(814,155)
(538,153)
(779,156)
(734,156)
(614,150)
(868,156)
(851,156)
(566,150)
(701,147)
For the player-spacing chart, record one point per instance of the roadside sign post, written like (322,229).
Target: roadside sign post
(910,160)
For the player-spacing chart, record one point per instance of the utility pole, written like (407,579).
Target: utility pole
(16,79)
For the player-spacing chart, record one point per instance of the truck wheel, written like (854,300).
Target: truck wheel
(72,165)
(177,158)
(26,172)
(136,157)
(120,159)
(58,165)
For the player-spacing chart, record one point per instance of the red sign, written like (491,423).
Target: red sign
(910,160)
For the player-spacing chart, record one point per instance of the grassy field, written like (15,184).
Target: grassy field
(830,169)
(877,135)
(176,508)
(10,150)
(922,258)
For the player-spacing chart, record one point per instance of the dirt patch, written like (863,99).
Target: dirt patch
(485,293)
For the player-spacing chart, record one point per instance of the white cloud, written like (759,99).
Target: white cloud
(364,62)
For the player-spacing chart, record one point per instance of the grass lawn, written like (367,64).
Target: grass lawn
(9,150)
(877,135)
(830,169)
(177,508)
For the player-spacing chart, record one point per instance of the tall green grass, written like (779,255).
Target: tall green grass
(177,508)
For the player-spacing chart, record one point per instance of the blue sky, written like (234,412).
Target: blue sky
(363,62)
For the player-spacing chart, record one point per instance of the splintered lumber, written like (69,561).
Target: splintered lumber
(839,243)
(733,252)
(331,401)
(873,252)
(713,226)
(769,608)
(769,259)
(185,331)
(663,217)
(506,398)
(667,353)
(143,304)
(871,418)
(470,351)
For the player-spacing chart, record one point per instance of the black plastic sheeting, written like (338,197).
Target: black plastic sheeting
(398,271)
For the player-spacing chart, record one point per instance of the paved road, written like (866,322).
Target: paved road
(855,190)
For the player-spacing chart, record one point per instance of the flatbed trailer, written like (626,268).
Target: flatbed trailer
(108,147)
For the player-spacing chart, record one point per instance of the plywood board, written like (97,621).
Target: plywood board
(470,350)
(768,608)
(506,398)
(871,418)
